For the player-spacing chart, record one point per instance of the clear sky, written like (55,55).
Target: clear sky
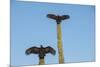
(30,27)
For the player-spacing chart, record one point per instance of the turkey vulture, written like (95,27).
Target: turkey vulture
(42,51)
(58,18)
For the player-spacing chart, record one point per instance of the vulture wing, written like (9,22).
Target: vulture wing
(32,50)
(50,50)
(63,17)
(52,16)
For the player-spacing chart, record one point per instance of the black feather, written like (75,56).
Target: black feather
(63,17)
(50,50)
(32,50)
(52,16)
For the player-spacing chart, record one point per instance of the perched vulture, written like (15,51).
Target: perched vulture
(42,51)
(58,18)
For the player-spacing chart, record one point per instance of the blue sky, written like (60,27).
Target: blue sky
(30,27)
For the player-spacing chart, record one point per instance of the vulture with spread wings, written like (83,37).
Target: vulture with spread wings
(58,18)
(42,51)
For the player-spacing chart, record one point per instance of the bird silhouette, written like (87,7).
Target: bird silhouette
(58,18)
(41,51)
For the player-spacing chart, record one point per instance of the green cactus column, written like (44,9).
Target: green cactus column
(60,46)
(41,61)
